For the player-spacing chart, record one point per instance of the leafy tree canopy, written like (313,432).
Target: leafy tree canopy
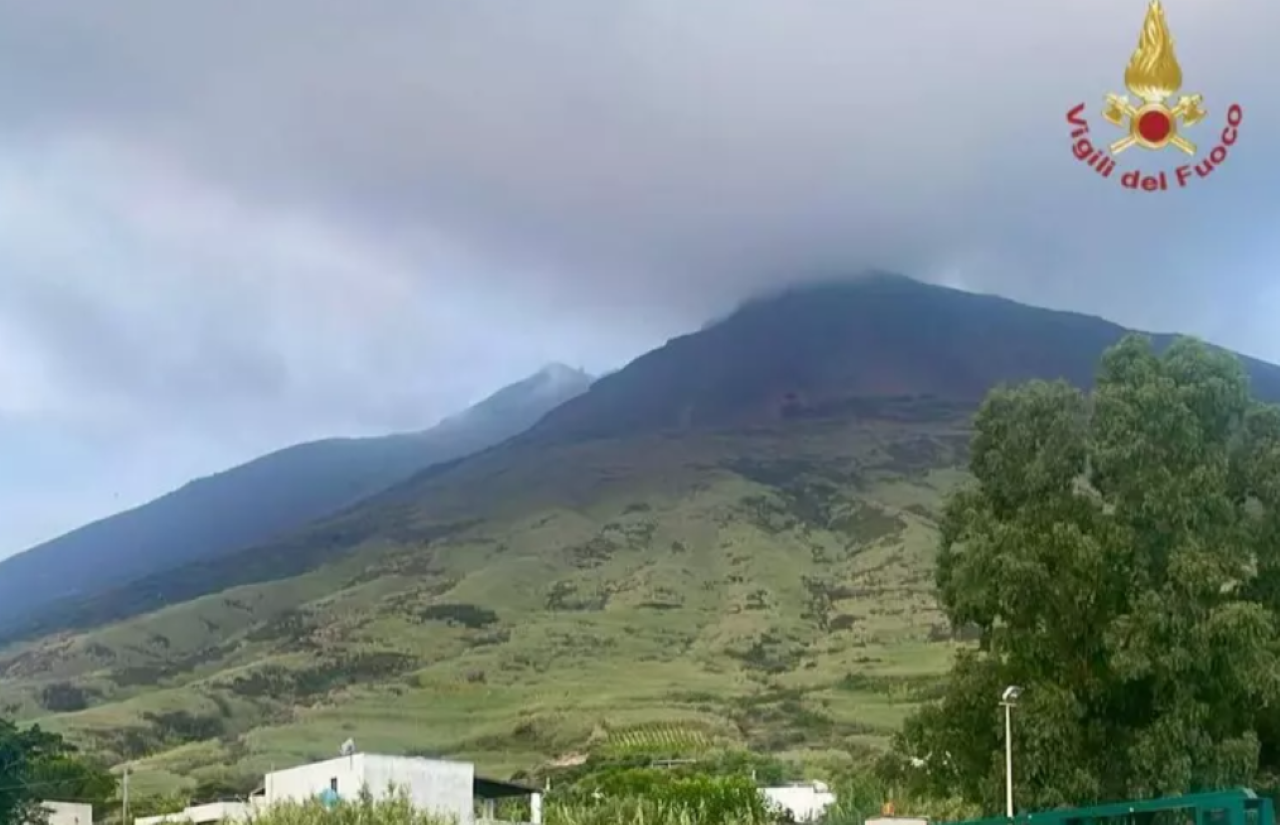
(36,765)
(1119,556)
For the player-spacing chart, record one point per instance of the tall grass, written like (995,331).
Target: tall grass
(395,809)
(635,811)
(711,803)
(625,796)
(649,796)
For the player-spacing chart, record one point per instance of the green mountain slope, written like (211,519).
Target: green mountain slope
(768,589)
(256,501)
(682,557)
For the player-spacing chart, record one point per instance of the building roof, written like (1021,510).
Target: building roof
(499,789)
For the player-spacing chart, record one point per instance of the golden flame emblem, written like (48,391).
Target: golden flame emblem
(1153,75)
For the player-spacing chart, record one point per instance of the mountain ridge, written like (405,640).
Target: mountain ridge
(775,360)
(933,340)
(269,496)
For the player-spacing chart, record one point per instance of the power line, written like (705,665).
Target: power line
(48,783)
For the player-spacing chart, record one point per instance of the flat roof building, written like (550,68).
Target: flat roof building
(439,786)
(68,813)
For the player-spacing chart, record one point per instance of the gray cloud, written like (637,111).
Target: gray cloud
(298,218)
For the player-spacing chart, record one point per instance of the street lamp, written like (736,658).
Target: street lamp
(1007,700)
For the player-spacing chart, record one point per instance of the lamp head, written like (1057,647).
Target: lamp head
(1011,694)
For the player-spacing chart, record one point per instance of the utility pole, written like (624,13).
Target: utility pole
(124,798)
(1007,700)
(1009,761)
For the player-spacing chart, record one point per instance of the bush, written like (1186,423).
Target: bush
(64,697)
(158,804)
(363,810)
(459,615)
(640,811)
(636,797)
(656,797)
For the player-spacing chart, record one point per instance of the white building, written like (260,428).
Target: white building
(434,785)
(68,813)
(806,801)
(197,814)
(449,789)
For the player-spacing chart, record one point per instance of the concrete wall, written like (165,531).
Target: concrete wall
(69,813)
(307,781)
(442,788)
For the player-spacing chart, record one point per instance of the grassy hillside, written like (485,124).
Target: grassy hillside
(768,588)
(826,352)
(252,503)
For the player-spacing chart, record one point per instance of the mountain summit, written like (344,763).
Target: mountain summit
(518,406)
(808,350)
(263,498)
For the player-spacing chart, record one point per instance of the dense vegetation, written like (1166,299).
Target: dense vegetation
(716,791)
(36,765)
(681,802)
(1119,557)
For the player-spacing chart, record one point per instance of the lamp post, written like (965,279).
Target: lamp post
(1007,700)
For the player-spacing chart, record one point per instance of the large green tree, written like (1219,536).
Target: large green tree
(1119,557)
(36,765)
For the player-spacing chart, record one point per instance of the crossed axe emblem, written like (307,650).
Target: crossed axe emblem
(1153,125)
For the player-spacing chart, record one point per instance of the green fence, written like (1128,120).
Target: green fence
(1235,807)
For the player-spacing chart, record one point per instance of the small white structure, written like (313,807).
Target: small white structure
(442,787)
(805,801)
(201,814)
(433,785)
(896,820)
(68,813)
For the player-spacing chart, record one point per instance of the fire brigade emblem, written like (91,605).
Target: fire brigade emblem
(1153,77)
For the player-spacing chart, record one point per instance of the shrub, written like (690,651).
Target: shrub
(640,811)
(64,697)
(363,810)
(656,797)
(635,798)
(459,615)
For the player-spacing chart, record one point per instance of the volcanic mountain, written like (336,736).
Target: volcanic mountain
(729,542)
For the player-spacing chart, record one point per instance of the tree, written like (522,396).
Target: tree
(36,765)
(71,777)
(1119,556)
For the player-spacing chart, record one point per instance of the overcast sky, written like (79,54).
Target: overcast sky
(226,227)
